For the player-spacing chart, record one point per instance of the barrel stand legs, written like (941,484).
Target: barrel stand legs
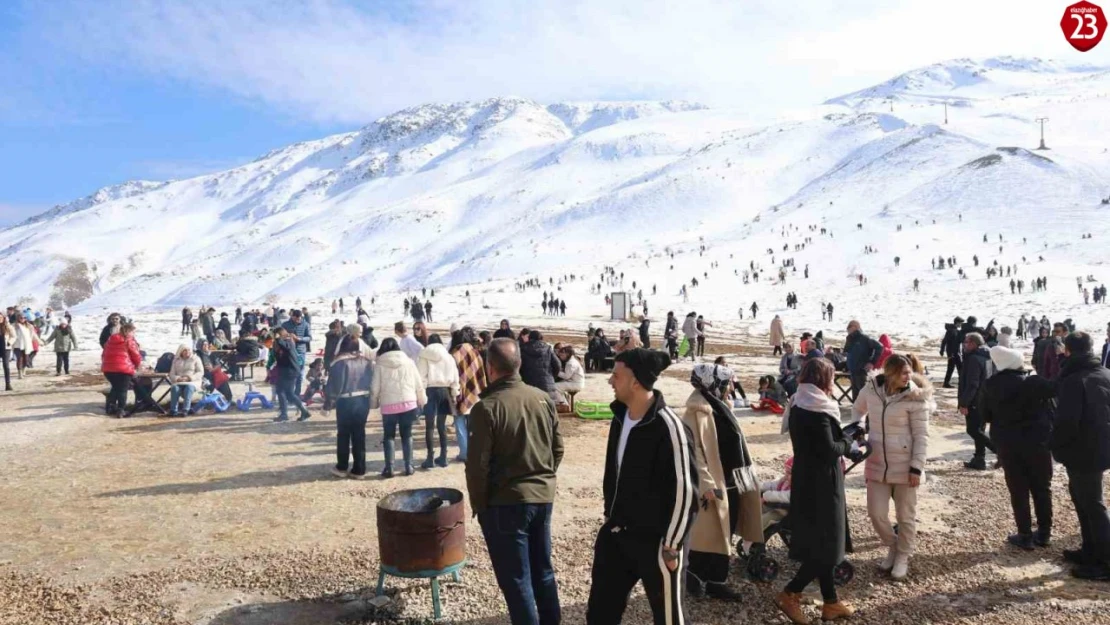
(436,608)
(436,612)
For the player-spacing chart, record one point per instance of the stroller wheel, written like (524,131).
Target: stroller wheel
(762,568)
(843,573)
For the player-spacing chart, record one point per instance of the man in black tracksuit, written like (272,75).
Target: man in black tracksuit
(950,347)
(977,368)
(650,489)
(1081,442)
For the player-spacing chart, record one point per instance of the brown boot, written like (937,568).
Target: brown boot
(834,611)
(791,605)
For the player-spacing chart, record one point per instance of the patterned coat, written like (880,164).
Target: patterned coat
(472,377)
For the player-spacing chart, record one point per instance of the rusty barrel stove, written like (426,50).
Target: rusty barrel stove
(422,534)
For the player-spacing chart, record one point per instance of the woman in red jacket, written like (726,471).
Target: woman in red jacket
(118,363)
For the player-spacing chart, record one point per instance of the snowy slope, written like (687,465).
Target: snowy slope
(466,193)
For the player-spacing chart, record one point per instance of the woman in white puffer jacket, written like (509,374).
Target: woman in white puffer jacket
(440,375)
(897,404)
(398,391)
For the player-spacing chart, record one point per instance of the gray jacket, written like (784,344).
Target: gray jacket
(351,375)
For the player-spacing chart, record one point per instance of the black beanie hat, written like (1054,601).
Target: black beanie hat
(646,364)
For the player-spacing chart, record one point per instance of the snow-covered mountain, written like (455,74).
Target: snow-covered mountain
(468,192)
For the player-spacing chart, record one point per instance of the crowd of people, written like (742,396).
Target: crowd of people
(679,486)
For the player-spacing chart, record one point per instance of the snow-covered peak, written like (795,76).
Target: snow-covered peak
(586,116)
(961,79)
(128,189)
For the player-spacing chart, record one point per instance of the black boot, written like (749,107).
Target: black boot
(694,587)
(722,592)
(978,463)
(1042,539)
(1021,541)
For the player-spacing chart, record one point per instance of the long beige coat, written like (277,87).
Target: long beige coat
(899,428)
(711,532)
(777,334)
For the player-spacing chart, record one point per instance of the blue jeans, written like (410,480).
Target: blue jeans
(518,538)
(184,391)
(390,424)
(462,430)
(285,389)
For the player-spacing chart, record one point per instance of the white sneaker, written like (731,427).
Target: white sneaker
(901,567)
(888,562)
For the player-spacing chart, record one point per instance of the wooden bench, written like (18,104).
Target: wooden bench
(239,368)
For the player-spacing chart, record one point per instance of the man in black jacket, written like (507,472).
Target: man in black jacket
(1081,442)
(861,351)
(670,335)
(977,368)
(650,490)
(950,347)
(970,327)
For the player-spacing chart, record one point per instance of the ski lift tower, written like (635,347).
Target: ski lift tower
(1041,121)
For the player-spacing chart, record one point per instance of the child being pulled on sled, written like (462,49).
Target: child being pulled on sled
(771,395)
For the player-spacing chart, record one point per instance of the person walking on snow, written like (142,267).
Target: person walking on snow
(778,336)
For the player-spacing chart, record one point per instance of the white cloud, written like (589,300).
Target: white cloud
(327,61)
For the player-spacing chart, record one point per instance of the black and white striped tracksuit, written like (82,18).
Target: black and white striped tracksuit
(650,503)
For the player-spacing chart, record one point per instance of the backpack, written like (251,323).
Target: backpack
(165,363)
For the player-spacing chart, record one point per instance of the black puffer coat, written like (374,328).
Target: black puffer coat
(538,365)
(1019,408)
(1081,432)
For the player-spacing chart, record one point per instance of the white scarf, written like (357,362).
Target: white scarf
(811,398)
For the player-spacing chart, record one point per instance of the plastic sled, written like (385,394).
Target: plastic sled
(594,411)
(245,403)
(215,401)
(767,404)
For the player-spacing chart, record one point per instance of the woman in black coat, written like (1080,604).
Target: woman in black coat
(818,516)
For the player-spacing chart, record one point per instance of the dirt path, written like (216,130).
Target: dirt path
(234,520)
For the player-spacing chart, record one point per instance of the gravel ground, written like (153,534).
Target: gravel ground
(232,520)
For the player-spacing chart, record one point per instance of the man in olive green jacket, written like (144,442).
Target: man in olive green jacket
(515,449)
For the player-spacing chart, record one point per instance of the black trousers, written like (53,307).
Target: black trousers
(62,361)
(953,366)
(117,396)
(621,560)
(701,346)
(350,422)
(7,369)
(1085,488)
(810,571)
(974,422)
(859,379)
(1029,473)
(778,350)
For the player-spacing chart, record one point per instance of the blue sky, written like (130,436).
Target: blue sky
(98,92)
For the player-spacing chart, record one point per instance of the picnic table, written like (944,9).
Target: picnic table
(150,404)
(842,382)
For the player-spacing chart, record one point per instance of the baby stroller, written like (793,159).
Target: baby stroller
(761,566)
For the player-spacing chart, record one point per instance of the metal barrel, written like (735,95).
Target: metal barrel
(422,530)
